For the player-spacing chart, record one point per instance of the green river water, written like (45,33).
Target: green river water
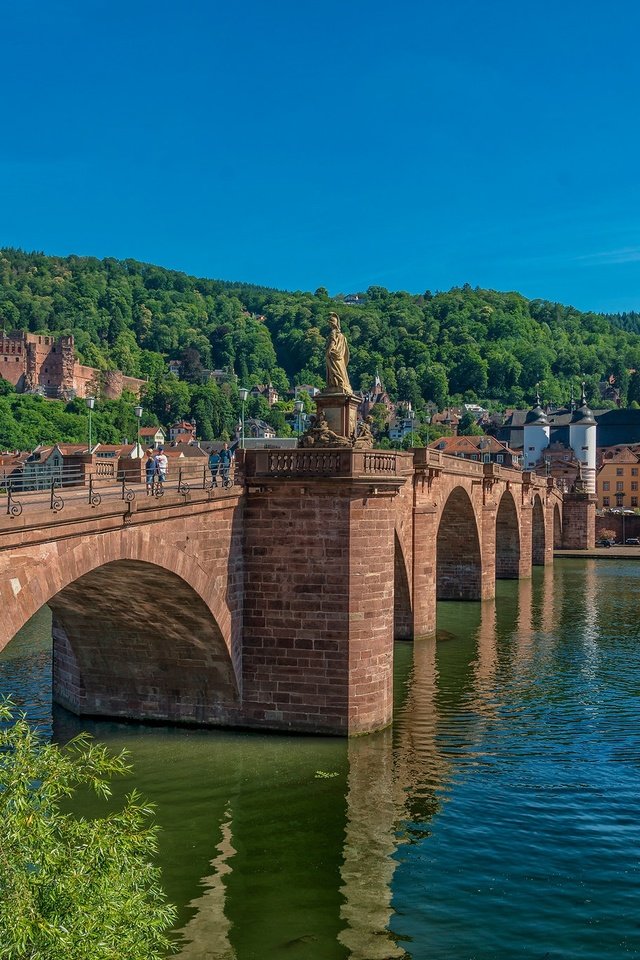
(497,819)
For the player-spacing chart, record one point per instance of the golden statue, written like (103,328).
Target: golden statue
(337,355)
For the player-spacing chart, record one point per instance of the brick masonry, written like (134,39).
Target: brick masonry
(275,605)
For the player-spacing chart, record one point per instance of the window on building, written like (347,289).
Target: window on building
(620,485)
(500,458)
(619,471)
(634,471)
(605,485)
(605,501)
(619,499)
(634,484)
(634,501)
(486,458)
(474,456)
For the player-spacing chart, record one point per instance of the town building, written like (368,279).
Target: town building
(403,423)
(449,418)
(582,441)
(184,429)
(267,391)
(254,427)
(615,427)
(377,398)
(484,449)
(38,363)
(617,481)
(153,436)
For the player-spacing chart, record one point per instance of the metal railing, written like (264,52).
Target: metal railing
(74,487)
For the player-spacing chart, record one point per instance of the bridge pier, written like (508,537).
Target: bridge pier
(579,521)
(319,591)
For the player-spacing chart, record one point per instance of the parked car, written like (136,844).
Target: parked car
(632,542)
(604,542)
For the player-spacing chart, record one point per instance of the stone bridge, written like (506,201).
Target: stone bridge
(274,603)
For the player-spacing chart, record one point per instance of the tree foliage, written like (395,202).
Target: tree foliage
(73,888)
(464,344)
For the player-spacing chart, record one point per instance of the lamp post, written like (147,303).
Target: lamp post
(411,416)
(90,402)
(138,412)
(244,393)
(298,407)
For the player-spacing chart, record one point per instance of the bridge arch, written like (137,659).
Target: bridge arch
(140,628)
(557,528)
(402,608)
(507,539)
(458,555)
(538,535)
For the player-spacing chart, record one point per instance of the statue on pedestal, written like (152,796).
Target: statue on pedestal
(363,440)
(320,435)
(337,356)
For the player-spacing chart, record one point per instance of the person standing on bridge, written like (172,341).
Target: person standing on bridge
(214,466)
(226,457)
(161,469)
(150,471)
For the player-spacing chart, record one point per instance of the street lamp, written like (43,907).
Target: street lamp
(411,416)
(298,407)
(138,412)
(244,393)
(90,402)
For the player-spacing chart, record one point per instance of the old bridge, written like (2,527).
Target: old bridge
(273,603)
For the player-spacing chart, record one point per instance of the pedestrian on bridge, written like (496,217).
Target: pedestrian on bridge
(214,466)
(226,457)
(150,472)
(162,463)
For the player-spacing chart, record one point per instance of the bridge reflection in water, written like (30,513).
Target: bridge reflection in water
(412,841)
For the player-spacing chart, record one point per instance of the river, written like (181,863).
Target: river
(498,819)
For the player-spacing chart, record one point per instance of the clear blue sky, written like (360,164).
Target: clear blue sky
(339,143)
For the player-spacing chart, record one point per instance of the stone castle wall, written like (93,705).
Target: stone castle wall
(30,361)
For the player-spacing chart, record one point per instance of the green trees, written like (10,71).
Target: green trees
(73,888)
(442,348)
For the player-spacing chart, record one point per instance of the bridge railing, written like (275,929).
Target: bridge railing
(326,462)
(54,489)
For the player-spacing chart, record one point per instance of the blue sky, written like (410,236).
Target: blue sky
(344,143)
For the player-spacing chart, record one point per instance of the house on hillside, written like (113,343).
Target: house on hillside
(267,391)
(153,437)
(183,428)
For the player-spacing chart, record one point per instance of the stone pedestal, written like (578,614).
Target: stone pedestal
(340,410)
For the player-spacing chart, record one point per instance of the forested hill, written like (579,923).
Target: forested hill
(467,343)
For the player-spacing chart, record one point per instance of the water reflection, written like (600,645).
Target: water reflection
(207,933)
(497,818)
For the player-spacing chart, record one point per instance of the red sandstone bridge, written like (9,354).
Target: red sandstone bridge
(273,603)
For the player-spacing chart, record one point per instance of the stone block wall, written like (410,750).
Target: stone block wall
(318,621)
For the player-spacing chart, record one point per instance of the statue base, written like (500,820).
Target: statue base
(340,410)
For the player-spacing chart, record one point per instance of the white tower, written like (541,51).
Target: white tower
(582,440)
(536,435)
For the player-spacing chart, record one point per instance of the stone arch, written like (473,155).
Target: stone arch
(205,635)
(458,556)
(538,536)
(507,539)
(131,638)
(557,528)
(402,612)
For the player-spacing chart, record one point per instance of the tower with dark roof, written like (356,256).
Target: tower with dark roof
(537,434)
(582,440)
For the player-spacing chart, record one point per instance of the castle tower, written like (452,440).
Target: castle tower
(537,433)
(582,440)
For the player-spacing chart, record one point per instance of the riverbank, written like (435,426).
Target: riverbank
(602,553)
